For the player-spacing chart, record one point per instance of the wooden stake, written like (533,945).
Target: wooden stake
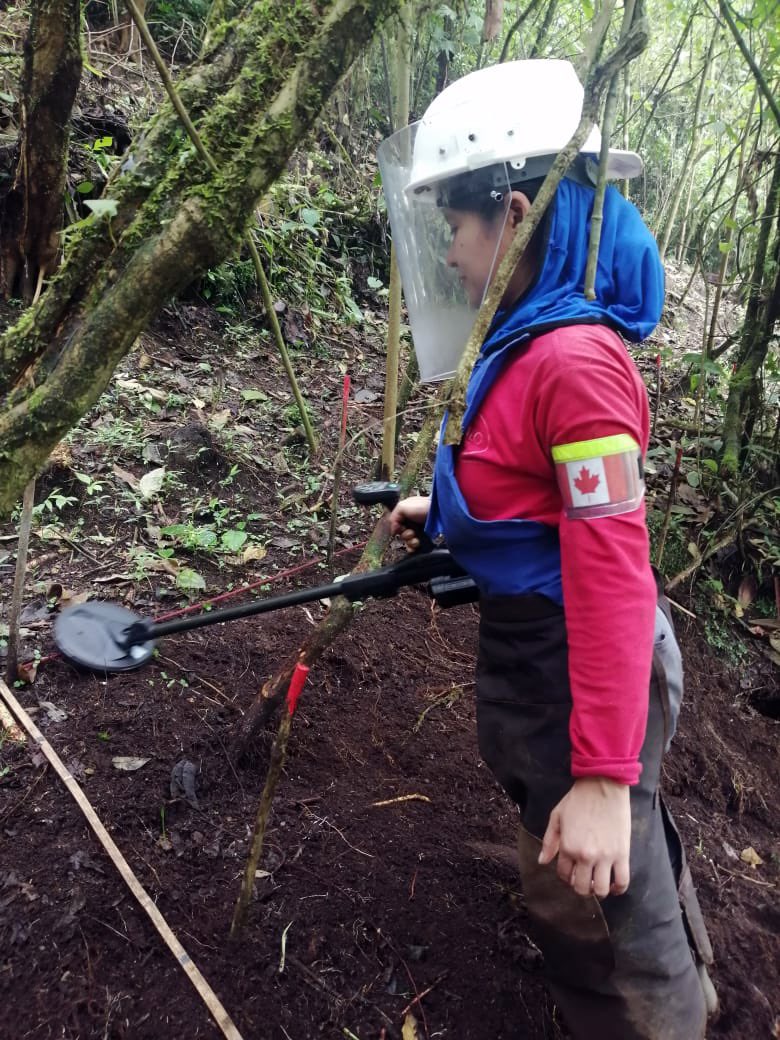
(278,758)
(669,503)
(334,500)
(22,546)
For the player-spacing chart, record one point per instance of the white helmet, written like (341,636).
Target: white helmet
(509,113)
(484,135)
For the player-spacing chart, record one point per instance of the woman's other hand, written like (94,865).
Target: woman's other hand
(590,833)
(412,510)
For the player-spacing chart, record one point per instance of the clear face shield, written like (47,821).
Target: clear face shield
(447,236)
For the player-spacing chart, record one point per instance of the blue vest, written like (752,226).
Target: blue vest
(518,557)
(504,557)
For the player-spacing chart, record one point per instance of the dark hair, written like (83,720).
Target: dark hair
(490,205)
(482,191)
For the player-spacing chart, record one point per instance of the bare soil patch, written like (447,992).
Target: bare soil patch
(360,908)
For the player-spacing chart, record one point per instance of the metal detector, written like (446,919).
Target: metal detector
(104,637)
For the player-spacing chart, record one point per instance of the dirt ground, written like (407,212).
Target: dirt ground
(366,905)
(364,912)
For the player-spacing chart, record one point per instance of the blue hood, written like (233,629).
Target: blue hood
(629,274)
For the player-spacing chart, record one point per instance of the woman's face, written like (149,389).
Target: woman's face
(478,247)
(472,249)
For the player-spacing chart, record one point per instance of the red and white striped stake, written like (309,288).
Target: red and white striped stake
(297,683)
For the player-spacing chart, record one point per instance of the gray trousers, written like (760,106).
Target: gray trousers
(621,968)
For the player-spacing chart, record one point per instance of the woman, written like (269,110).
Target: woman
(578,674)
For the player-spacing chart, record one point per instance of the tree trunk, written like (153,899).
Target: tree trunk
(729,225)
(403,69)
(258,87)
(524,15)
(763,310)
(128,40)
(690,156)
(443,58)
(31,211)
(658,90)
(494,15)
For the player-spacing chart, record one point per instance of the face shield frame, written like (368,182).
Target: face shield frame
(440,315)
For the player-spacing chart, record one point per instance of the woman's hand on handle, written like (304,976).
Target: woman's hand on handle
(412,510)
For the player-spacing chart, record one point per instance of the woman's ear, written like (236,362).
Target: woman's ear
(519,205)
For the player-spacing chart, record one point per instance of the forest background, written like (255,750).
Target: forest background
(204,340)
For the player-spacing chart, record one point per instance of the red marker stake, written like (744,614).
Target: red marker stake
(297,683)
(344,409)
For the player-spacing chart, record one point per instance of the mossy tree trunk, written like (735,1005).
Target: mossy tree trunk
(262,79)
(32,209)
(761,315)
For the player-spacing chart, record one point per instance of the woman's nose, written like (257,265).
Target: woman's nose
(451,259)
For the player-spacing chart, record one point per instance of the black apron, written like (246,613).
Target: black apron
(620,968)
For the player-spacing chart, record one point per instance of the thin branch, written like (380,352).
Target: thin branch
(513,29)
(765,88)
(597,217)
(541,36)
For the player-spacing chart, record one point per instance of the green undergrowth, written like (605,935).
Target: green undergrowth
(317,247)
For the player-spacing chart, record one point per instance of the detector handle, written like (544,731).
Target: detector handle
(388,494)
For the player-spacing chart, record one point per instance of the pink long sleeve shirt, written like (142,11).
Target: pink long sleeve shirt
(576,383)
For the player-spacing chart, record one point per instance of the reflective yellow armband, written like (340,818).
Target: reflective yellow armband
(601,477)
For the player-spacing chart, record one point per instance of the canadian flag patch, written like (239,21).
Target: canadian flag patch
(601,477)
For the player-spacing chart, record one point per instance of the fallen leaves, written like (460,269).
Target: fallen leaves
(410,1029)
(751,857)
(183,778)
(283,542)
(151,483)
(59,596)
(53,713)
(253,553)
(126,477)
(27,671)
(128,763)
(145,391)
